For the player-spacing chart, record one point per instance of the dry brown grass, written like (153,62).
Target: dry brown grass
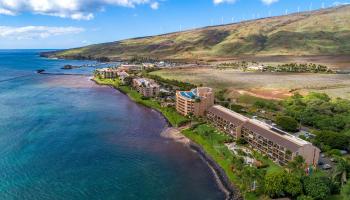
(265,85)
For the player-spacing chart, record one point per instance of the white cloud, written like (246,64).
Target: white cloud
(223,1)
(337,3)
(74,9)
(155,5)
(32,32)
(269,2)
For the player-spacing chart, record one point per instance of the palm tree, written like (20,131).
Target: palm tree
(250,176)
(341,171)
(296,165)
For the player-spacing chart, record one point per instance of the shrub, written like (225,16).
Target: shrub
(293,186)
(316,187)
(287,123)
(303,197)
(333,139)
(241,141)
(274,184)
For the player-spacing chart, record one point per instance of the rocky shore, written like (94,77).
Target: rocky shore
(230,191)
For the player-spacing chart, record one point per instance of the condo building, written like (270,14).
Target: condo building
(122,75)
(107,73)
(195,102)
(279,146)
(146,87)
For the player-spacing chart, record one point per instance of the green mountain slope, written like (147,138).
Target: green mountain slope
(321,32)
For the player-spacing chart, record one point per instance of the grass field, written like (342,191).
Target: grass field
(263,85)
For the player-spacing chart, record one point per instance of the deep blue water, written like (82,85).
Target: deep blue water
(63,137)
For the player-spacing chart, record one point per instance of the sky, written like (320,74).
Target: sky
(60,24)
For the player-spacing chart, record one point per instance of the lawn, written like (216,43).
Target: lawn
(213,143)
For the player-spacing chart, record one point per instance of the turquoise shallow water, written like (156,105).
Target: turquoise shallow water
(63,137)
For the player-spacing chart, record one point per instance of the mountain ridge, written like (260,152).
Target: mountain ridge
(320,32)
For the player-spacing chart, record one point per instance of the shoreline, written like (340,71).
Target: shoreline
(172,133)
(231,192)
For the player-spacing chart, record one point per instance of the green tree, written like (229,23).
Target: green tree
(297,165)
(318,187)
(341,171)
(128,80)
(303,197)
(333,139)
(345,192)
(293,186)
(251,177)
(274,184)
(287,123)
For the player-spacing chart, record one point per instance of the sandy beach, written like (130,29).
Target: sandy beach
(175,134)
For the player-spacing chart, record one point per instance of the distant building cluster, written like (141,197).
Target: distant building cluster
(146,87)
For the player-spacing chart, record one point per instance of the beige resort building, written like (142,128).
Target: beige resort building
(278,145)
(107,72)
(195,102)
(146,87)
(122,75)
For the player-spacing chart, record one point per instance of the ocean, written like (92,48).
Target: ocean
(64,137)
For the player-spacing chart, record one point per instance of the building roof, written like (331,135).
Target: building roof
(278,136)
(194,93)
(123,73)
(106,70)
(146,82)
(189,94)
(283,139)
(228,115)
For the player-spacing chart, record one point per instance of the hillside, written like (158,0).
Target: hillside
(321,32)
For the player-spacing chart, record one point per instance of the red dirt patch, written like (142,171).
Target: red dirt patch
(275,94)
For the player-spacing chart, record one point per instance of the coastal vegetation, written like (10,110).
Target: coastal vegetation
(180,85)
(267,179)
(170,113)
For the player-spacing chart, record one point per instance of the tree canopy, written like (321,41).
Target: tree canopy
(320,111)
(317,187)
(287,123)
